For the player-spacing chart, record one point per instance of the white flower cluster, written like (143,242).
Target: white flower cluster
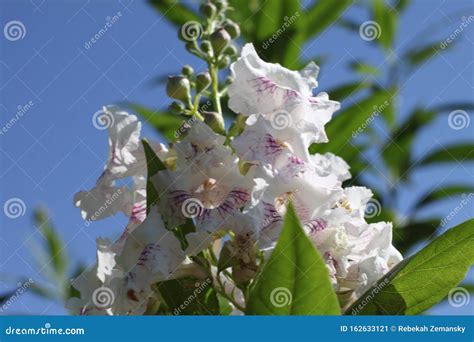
(243,187)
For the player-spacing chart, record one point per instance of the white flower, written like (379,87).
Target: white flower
(207,185)
(272,90)
(126,159)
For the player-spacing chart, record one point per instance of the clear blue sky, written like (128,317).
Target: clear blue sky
(54,150)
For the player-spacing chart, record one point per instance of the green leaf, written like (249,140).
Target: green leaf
(57,256)
(165,123)
(226,259)
(154,165)
(420,282)
(386,17)
(323,14)
(294,280)
(365,68)
(174,11)
(414,232)
(346,90)
(443,193)
(352,121)
(457,153)
(420,55)
(189,296)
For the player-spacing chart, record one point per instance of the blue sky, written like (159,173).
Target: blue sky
(53,150)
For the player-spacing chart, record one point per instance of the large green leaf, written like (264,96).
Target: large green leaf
(418,283)
(294,281)
(165,123)
(346,90)
(422,54)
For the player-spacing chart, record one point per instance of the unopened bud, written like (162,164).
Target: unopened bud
(176,107)
(206,46)
(215,121)
(224,62)
(203,80)
(187,70)
(220,39)
(231,50)
(208,9)
(178,87)
(233,29)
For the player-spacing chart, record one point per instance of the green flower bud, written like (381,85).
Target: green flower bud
(187,70)
(233,29)
(203,80)
(215,121)
(229,79)
(176,107)
(224,62)
(208,9)
(220,39)
(178,87)
(221,4)
(231,50)
(206,46)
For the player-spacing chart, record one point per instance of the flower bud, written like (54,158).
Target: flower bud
(220,39)
(231,50)
(233,29)
(221,4)
(215,121)
(178,87)
(187,70)
(229,79)
(176,107)
(203,80)
(208,9)
(224,62)
(206,46)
